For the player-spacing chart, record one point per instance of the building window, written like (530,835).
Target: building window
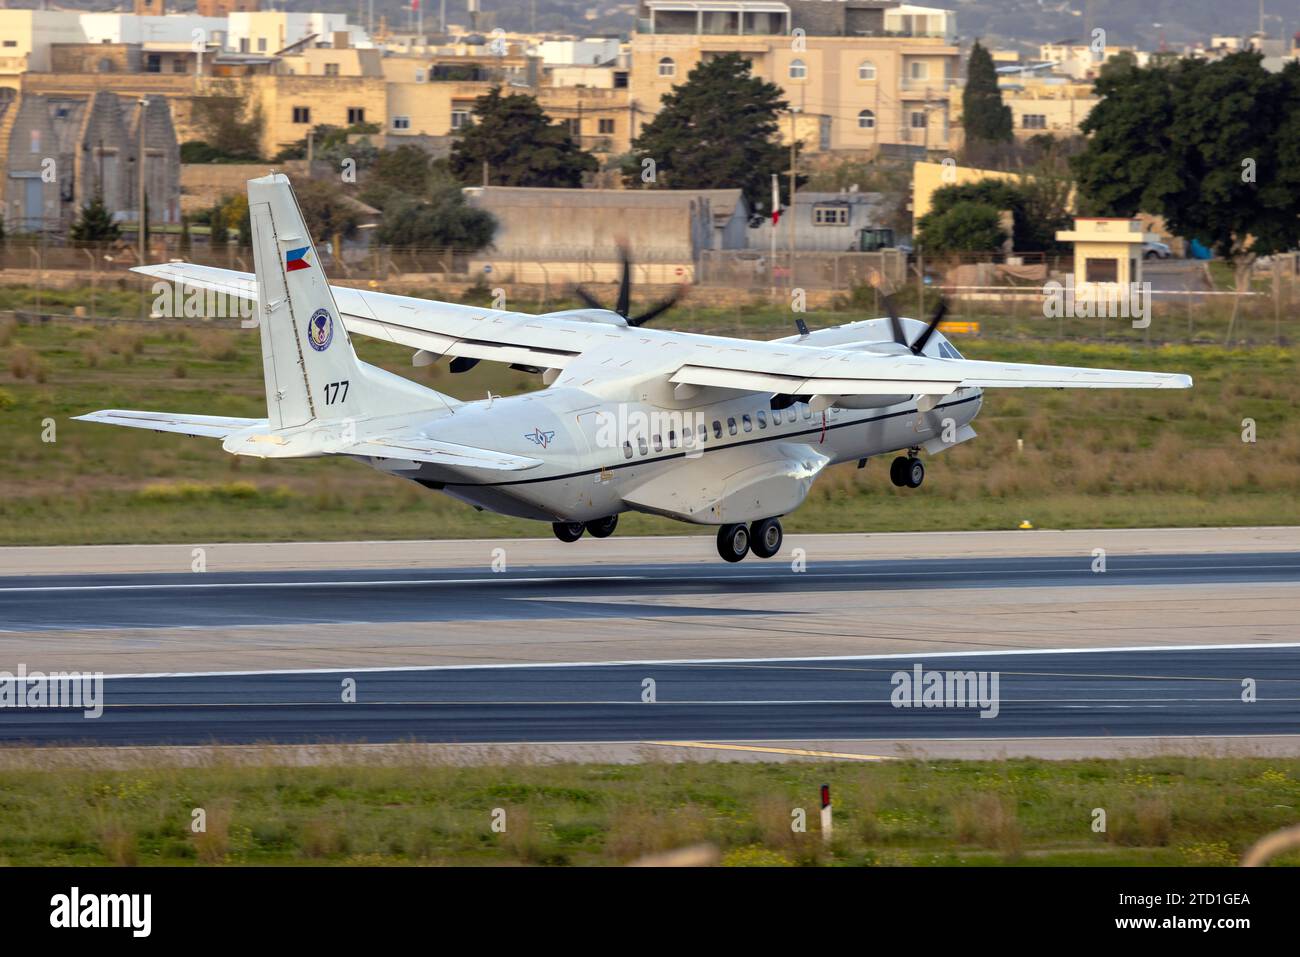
(667,67)
(798,69)
(1034,121)
(11,43)
(459,119)
(866,70)
(419,76)
(153,64)
(837,215)
(606,126)
(178,66)
(261,44)
(356,115)
(1101,270)
(918,70)
(866,120)
(302,114)
(401,122)
(331,69)
(918,119)
(574,126)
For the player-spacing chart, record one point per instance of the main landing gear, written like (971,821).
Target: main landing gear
(763,538)
(907,471)
(572,531)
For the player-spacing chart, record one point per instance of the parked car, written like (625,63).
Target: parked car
(1156,250)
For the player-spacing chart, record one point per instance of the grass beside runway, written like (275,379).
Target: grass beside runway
(1158,811)
(1089,459)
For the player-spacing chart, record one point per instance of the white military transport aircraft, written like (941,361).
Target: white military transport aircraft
(703,429)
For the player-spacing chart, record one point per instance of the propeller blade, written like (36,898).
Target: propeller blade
(463,364)
(624,305)
(928,331)
(588,298)
(895,324)
(655,310)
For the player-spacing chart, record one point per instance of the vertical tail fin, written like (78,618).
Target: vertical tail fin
(311,370)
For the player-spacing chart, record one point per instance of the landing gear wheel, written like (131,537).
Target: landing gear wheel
(765,537)
(602,527)
(898,471)
(568,531)
(733,542)
(915,473)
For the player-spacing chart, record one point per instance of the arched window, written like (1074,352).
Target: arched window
(667,67)
(866,120)
(798,69)
(866,70)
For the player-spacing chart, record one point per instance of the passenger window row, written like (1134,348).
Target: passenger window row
(699,438)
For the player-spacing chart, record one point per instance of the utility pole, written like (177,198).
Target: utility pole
(141,226)
(794,184)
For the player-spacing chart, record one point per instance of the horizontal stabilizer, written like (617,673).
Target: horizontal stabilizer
(205,426)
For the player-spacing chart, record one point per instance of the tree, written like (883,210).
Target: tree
(1213,147)
(327,210)
(445,220)
(966,226)
(984,117)
(1038,203)
(717,130)
(519,144)
(231,128)
(95,224)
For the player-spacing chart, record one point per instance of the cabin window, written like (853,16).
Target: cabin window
(659,443)
(747,422)
(640,445)
(704,434)
(627,450)
(731,425)
(762,419)
(717,429)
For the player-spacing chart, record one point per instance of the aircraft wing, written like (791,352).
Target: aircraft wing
(441,328)
(804,370)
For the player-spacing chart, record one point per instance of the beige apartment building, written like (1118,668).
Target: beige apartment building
(859,75)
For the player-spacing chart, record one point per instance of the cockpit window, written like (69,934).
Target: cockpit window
(947,351)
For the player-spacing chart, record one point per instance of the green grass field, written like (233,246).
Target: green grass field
(1164,811)
(1089,459)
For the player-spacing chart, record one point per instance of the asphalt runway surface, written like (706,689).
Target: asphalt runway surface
(569,593)
(559,650)
(1111,693)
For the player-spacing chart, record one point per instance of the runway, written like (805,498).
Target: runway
(789,657)
(1145,693)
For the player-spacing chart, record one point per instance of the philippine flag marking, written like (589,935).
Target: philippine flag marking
(296,259)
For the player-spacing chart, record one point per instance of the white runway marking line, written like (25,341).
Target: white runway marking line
(701,661)
(169,586)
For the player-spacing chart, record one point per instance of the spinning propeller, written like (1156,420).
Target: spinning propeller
(624,305)
(896,325)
